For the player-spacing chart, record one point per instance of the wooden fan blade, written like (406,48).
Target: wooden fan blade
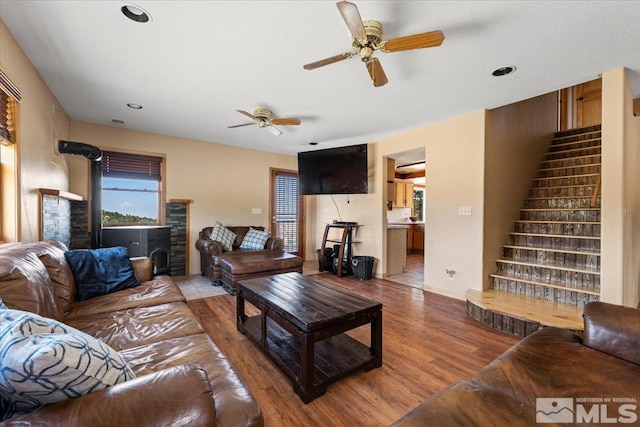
(328,61)
(245,124)
(376,72)
(274,130)
(247,114)
(286,121)
(416,41)
(351,16)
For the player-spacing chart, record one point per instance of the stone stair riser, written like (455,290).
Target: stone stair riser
(562,243)
(590,151)
(581,191)
(561,215)
(563,181)
(581,203)
(568,229)
(565,296)
(568,171)
(572,161)
(573,145)
(569,279)
(586,261)
(559,139)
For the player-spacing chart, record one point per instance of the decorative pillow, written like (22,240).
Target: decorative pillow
(254,239)
(45,361)
(101,271)
(223,235)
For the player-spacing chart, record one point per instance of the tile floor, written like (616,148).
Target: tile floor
(196,286)
(413,274)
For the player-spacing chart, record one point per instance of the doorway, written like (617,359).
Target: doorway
(286,210)
(410,173)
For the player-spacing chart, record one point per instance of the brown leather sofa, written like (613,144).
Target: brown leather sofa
(182,378)
(226,268)
(552,374)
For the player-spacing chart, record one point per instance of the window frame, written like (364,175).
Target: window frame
(161,189)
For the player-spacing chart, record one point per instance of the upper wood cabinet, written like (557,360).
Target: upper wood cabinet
(403,195)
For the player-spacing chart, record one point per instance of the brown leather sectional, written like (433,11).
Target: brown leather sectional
(226,268)
(182,378)
(594,376)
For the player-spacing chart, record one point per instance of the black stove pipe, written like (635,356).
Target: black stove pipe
(95,155)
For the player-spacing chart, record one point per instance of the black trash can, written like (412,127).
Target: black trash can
(362,266)
(326,260)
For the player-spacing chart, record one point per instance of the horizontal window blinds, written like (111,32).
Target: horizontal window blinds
(131,166)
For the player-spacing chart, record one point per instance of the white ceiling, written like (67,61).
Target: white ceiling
(197,62)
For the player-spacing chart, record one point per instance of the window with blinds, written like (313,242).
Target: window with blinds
(286,210)
(131,189)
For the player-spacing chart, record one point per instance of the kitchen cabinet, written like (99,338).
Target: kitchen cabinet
(403,197)
(396,252)
(415,238)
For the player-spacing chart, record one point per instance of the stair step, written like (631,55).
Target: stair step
(529,309)
(575,131)
(559,286)
(562,236)
(560,146)
(574,228)
(585,270)
(561,202)
(562,191)
(575,152)
(589,179)
(569,170)
(566,251)
(573,161)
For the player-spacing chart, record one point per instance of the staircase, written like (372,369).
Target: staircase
(551,267)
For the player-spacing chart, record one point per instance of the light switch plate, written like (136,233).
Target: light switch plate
(464,210)
(256,211)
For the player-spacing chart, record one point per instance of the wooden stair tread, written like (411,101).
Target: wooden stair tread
(551,153)
(547,284)
(559,197)
(572,158)
(551,266)
(566,251)
(567,236)
(547,313)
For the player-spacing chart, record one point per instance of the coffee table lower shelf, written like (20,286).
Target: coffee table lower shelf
(334,357)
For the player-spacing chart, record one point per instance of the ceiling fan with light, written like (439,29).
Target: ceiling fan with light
(367,38)
(264,119)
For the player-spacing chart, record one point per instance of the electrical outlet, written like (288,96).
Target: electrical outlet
(256,211)
(464,210)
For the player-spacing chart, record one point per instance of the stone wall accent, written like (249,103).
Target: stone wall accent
(177,218)
(56,219)
(80,238)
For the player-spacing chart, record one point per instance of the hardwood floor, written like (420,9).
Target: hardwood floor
(429,342)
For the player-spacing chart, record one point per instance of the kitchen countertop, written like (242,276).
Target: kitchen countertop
(391,226)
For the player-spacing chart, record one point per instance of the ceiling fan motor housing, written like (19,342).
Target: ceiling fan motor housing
(373,29)
(263,116)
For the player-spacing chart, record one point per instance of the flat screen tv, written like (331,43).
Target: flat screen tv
(342,170)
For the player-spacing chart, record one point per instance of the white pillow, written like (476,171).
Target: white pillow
(223,235)
(254,239)
(45,361)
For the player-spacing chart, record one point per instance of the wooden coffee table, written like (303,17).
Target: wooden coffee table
(301,327)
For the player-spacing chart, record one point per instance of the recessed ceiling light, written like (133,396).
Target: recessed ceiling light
(134,106)
(503,71)
(135,13)
(313,143)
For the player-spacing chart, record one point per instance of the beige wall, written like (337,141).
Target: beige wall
(620,252)
(42,121)
(517,137)
(454,152)
(223,182)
